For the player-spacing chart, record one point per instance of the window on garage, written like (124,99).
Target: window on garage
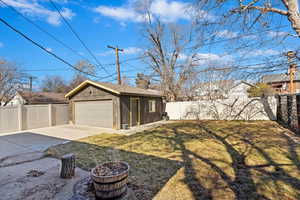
(152,106)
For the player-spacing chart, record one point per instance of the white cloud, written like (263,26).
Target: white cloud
(1,45)
(123,24)
(210,58)
(132,50)
(226,34)
(277,33)
(260,52)
(182,56)
(127,51)
(36,9)
(106,53)
(96,20)
(49,49)
(167,11)
(120,13)
(171,11)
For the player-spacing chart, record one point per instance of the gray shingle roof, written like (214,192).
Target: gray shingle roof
(125,89)
(43,97)
(279,78)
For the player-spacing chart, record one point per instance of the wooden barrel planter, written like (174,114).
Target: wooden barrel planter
(110,179)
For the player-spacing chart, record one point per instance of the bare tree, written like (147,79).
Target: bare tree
(170,55)
(60,85)
(11,80)
(291,11)
(79,77)
(251,32)
(54,84)
(142,81)
(256,11)
(125,81)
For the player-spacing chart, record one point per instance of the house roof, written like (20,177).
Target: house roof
(279,77)
(43,97)
(116,89)
(224,84)
(243,82)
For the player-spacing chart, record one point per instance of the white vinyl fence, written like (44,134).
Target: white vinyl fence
(32,116)
(225,109)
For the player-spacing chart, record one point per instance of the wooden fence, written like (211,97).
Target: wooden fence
(23,117)
(225,109)
(288,111)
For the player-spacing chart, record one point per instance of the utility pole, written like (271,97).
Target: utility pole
(117,61)
(292,70)
(30,84)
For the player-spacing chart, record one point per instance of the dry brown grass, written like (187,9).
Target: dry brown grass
(201,160)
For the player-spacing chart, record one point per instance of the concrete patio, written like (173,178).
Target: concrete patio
(40,139)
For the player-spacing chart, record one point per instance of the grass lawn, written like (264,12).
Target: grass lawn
(189,160)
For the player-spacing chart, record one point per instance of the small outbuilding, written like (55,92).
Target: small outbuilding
(114,106)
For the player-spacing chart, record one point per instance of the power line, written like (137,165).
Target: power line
(214,42)
(44,31)
(238,37)
(43,48)
(77,36)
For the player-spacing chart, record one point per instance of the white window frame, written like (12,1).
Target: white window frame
(152,105)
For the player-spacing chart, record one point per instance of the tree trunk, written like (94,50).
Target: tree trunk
(67,166)
(293,14)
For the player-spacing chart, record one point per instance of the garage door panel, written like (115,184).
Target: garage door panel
(94,113)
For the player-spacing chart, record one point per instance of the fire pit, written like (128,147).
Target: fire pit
(110,179)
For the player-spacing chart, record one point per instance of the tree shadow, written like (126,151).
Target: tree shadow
(242,184)
(268,108)
(293,156)
(148,173)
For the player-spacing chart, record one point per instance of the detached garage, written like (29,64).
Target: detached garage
(114,106)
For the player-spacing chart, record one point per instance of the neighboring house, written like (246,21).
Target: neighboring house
(114,106)
(240,90)
(3,102)
(214,89)
(32,98)
(281,82)
(222,89)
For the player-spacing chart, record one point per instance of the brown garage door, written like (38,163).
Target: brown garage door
(94,113)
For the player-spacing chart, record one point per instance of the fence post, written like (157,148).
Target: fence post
(20,117)
(293,115)
(284,109)
(50,113)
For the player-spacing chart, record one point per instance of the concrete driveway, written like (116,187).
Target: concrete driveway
(40,139)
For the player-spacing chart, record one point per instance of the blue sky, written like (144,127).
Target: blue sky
(99,23)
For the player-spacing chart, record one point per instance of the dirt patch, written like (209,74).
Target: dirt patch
(110,169)
(35,173)
(38,179)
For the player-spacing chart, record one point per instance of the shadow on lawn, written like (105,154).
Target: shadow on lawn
(241,184)
(148,174)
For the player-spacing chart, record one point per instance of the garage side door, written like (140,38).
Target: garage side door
(94,113)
